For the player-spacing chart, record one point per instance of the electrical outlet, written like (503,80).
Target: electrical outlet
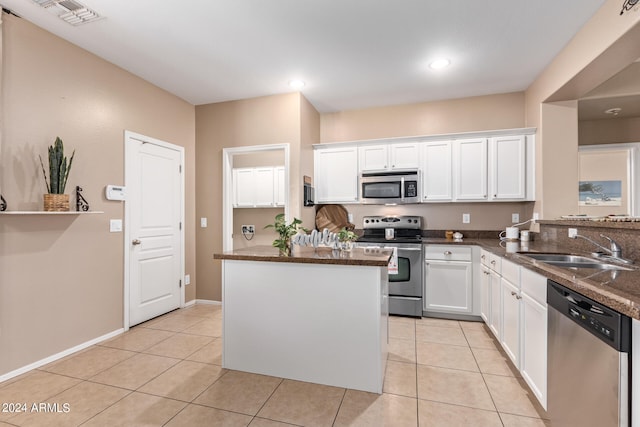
(115,225)
(573,232)
(248,229)
(536,216)
(187,279)
(515,217)
(466,218)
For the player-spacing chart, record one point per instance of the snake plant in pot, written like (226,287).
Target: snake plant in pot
(59,170)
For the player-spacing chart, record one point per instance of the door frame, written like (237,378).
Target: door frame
(227,186)
(129,138)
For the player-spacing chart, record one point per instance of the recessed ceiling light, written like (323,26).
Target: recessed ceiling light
(439,63)
(296,84)
(615,111)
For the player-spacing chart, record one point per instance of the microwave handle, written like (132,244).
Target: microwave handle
(402,188)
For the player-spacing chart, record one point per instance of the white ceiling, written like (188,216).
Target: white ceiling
(351,53)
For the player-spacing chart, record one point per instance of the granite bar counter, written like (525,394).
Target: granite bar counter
(319,315)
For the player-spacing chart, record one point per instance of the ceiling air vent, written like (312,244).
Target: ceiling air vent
(69,11)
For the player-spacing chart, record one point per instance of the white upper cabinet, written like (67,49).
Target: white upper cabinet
(258,187)
(279,186)
(264,187)
(436,171)
(405,156)
(388,157)
(336,174)
(507,163)
(243,188)
(497,166)
(470,169)
(373,157)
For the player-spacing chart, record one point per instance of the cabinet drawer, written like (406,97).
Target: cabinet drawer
(492,261)
(447,252)
(511,272)
(534,285)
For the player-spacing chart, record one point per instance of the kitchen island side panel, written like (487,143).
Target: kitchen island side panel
(326,324)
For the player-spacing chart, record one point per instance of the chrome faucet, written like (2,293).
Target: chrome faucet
(614,250)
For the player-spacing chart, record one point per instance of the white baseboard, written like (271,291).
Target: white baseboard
(208,301)
(60,355)
(189,303)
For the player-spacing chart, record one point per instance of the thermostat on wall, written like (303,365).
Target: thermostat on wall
(115,192)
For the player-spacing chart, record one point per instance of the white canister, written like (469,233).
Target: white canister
(510,233)
(524,236)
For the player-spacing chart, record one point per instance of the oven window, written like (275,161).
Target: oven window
(381,190)
(404,271)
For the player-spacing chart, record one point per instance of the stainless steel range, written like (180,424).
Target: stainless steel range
(404,233)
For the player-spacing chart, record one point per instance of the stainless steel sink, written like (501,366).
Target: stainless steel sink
(573,261)
(558,257)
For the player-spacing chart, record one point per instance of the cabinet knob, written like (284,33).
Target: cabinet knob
(447,252)
(513,293)
(493,262)
(518,296)
(482,257)
(135,242)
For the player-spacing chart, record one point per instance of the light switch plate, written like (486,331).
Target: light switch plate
(187,279)
(203,222)
(115,225)
(466,218)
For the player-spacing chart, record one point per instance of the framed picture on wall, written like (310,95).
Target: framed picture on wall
(600,193)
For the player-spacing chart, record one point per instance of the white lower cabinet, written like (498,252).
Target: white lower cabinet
(449,286)
(448,280)
(533,361)
(495,323)
(511,321)
(485,294)
(514,307)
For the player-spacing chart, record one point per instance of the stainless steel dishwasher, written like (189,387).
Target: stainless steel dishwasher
(588,375)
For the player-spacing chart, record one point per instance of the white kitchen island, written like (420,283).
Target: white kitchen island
(318,316)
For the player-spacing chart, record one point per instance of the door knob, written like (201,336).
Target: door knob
(136,242)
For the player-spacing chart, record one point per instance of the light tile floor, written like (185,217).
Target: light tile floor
(167,372)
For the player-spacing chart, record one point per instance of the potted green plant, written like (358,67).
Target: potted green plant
(283,243)
(59,168)
(346,238)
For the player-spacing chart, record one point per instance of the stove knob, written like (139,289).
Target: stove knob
(366,221)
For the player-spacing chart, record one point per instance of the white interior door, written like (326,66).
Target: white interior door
(154,237)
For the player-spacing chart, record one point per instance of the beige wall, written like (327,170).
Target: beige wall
(61,278)
(610,131)
(266,120)
(491,112)
(603,47)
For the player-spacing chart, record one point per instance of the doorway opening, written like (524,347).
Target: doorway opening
(255,189)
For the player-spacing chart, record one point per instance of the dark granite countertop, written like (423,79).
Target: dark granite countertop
(617,289)
(309,255)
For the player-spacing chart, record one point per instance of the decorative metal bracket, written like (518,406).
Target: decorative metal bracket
(3,204)
(81,203)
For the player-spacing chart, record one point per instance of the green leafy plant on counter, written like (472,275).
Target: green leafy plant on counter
(58,168)
(345,235)
(286,232)
(346,238)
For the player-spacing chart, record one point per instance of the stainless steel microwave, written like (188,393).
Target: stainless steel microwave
(390,188)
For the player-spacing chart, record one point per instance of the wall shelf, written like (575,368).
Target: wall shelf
(48,213)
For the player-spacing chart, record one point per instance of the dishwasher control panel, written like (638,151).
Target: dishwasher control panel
(592,323)
(606,324)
